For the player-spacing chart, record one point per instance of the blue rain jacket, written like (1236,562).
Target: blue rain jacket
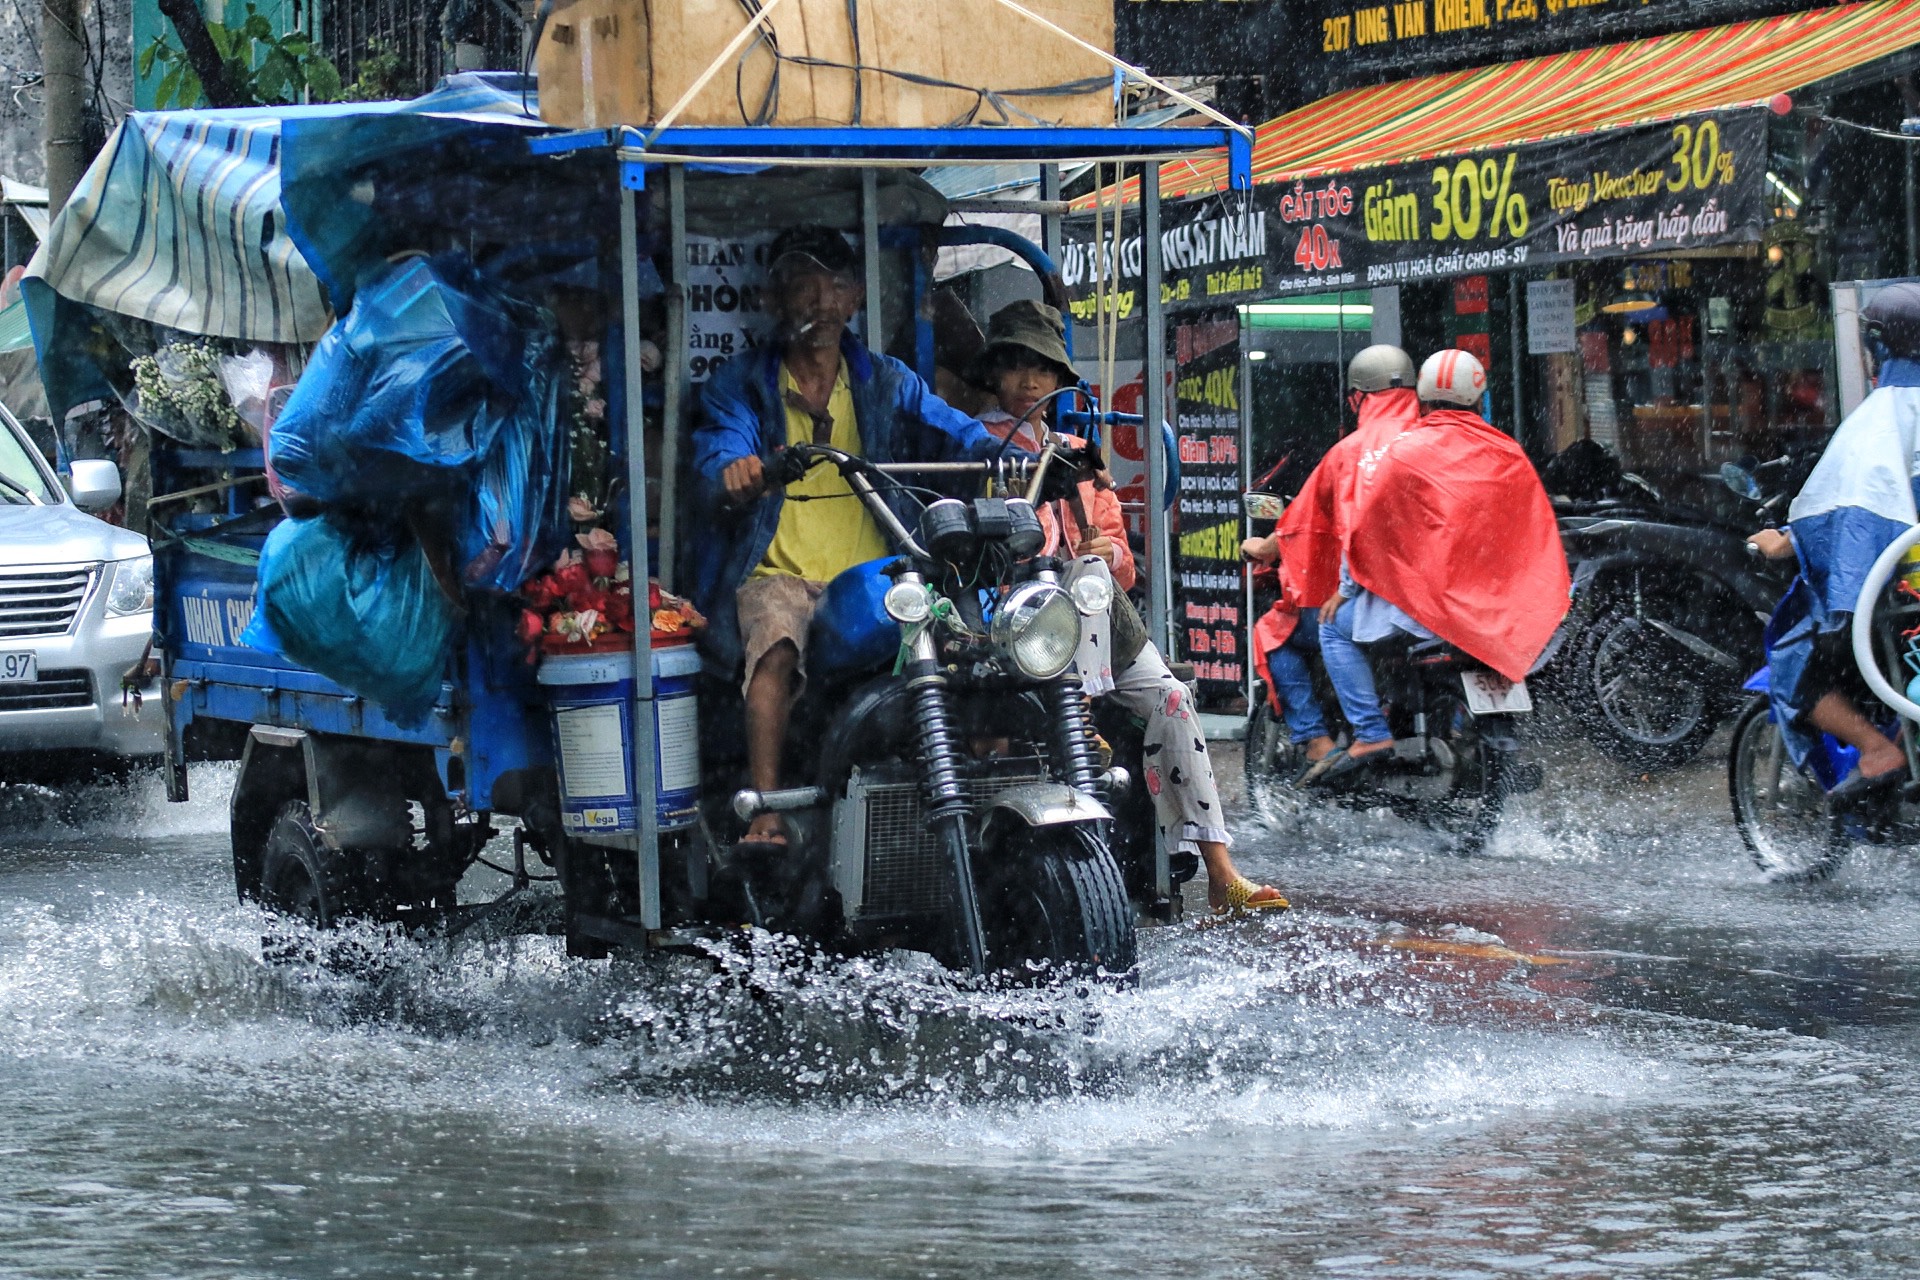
(742,414)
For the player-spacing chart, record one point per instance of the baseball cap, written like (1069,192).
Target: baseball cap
(826,247)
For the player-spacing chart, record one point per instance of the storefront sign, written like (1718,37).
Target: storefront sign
(726,310)
(1356,39)
(1550,319)
(1687,184)
(1208,599)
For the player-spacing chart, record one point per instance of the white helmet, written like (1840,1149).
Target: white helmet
(1452,376)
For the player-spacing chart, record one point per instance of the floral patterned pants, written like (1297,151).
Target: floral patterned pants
(1186,802)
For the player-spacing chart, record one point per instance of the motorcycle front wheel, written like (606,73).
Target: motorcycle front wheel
(1782,814)
(1640,694)
(1053,903)
(1271,760)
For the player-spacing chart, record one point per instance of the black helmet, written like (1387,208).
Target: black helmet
(1380,367)
(1892,320)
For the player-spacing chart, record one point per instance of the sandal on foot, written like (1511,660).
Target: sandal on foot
(774,841)
(1341,769)
(1244,895)
(1861,792)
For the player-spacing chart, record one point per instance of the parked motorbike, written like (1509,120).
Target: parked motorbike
(958,803)
(1667,612)
(1456,753)
(1785,817)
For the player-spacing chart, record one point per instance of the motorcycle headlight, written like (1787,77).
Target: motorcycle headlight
(907,602)
(131,590)
(1038,627)
(1092,593)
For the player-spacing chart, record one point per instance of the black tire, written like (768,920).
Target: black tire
(1782,814)
(1641,698)
(1270,762)
(1053,902)
(303,879)
(1477,779)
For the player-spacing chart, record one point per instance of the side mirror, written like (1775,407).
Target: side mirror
(1261,505)
(1740,480)
(94,483)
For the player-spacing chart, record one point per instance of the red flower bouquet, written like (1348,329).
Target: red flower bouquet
(584,604)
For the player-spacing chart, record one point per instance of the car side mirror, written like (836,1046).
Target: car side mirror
(1261,505)
(94,483)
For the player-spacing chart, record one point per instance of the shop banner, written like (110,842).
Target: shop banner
(1687,184)
(1208,599)
(1359,42)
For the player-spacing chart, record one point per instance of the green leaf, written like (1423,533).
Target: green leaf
(297,45)
(147,55)
(323,80)
(257,27)
(189,87)
(275,75)
(222,40)
(169,86)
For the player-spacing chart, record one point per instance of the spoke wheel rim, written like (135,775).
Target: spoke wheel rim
(1642,698)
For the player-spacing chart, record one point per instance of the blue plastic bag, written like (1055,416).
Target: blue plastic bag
(407,393)
(367,615)
(518,511)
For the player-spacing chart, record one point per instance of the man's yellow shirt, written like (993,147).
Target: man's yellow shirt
(830,530)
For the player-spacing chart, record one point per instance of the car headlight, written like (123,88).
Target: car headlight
(131,590)
(1038,627)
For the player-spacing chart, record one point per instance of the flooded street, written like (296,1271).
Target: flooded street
(1602,1048)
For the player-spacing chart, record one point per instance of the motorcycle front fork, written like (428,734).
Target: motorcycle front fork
(946,800)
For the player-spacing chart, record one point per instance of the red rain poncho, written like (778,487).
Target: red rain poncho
(1314,531)
(1450,523)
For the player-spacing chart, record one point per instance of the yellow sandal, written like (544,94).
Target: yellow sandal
(1244,895)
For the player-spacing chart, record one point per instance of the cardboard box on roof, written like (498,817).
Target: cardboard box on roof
(603,62)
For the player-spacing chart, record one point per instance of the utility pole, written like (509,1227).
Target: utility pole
(63,64)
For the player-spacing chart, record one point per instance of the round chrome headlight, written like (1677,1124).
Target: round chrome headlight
(1038,627)
(907,602)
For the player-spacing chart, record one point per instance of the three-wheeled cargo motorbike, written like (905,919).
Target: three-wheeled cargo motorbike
(955,798)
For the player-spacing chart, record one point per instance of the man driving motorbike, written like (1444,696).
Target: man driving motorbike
(762,554)
(1023,364)
(1315,529)
(1858,499)
(1453,538)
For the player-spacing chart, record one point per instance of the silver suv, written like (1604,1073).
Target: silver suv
(76,612)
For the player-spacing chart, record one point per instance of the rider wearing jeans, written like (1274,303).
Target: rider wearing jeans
(1354,616)
(1308,545)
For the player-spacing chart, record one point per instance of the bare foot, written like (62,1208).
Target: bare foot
(1878,763)
(766,829)
(1319,749)
(1360,749)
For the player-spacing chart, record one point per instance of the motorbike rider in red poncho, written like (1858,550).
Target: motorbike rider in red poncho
(1453,537)
(1309,543)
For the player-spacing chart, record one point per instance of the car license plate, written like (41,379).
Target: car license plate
(19,667)
(1491,694)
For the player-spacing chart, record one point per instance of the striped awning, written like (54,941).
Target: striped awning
(1608,87)
(178,221)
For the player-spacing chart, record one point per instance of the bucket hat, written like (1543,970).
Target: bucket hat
(1030,326)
